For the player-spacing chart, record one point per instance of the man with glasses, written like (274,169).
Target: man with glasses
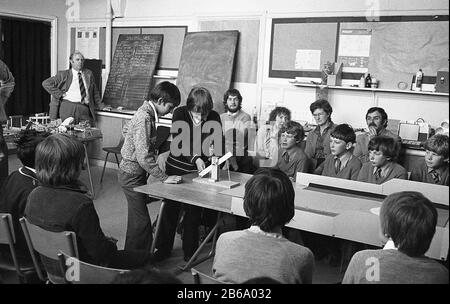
(377,120)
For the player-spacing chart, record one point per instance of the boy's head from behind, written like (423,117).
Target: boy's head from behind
(26,143)
(436,148)
(342,139)
(165,97)
(291,134)
(59,159)
(409,219)
(269,199)
(382,149)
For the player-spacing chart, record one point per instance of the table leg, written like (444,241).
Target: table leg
(89,170)
(158,225)
(213,233)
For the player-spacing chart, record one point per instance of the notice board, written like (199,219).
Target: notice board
(399,46)
(207,60)
(132,69)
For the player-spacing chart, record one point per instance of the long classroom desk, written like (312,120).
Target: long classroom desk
(320,210)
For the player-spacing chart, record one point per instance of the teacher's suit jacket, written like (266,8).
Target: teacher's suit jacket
(60,83)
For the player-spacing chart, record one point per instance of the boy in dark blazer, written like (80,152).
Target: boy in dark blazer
(341,163)
(434,167)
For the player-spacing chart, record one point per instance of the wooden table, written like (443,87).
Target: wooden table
(197,194)
(350,216)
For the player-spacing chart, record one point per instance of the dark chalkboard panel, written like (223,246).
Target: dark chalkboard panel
(132,69)
(207,60)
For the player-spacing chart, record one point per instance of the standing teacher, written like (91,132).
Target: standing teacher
(74,93)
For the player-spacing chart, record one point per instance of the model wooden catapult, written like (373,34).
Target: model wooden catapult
(217,175)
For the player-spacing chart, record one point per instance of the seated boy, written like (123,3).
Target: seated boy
(434,168)
(261,250)
(14,192)
(408,223)
(383,152)
(341,163)
(291,157)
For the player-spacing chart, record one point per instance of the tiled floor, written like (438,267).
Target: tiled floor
(111,207)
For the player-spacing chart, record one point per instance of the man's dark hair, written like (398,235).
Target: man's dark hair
(382,112)
(167,91)
(409,219)
(269,199)
(232,92)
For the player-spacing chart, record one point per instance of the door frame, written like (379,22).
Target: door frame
(53,34)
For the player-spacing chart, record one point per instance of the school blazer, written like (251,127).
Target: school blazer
(60,83)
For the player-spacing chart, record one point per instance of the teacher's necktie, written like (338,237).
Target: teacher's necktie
(82,88)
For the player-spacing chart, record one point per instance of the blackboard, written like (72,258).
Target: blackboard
(207,60)
(95,65)
(246,62)
(132,69)
(399,45)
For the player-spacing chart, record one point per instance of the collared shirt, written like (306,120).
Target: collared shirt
(344,158)
(384,169)
(31,169)
(155,116)
(73,94)
(317,143)
(362,143)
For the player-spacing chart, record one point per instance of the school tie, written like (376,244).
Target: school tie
(377,173)
(286,156)
(337,165)
(82,88)
(435,176)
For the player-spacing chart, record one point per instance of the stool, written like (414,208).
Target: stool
(115,150)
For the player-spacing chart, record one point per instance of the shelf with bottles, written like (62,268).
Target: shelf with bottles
(357,88)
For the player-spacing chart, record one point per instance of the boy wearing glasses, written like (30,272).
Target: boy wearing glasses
(291,157)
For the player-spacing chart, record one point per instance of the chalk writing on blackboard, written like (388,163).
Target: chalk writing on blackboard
(132,69)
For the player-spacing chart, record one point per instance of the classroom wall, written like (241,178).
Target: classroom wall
(268,92)
(56,8)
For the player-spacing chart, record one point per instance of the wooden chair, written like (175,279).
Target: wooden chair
(24,269)
(48,244)
(202,278)
(115,150)
(87,273)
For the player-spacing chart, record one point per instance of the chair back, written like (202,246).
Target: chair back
(48,244)
(7,237)
(202,278)
(85,273)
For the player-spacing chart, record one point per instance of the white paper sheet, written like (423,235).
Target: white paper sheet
(307,59)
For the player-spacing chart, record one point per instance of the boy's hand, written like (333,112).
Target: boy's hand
(200,164)
(173,179)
